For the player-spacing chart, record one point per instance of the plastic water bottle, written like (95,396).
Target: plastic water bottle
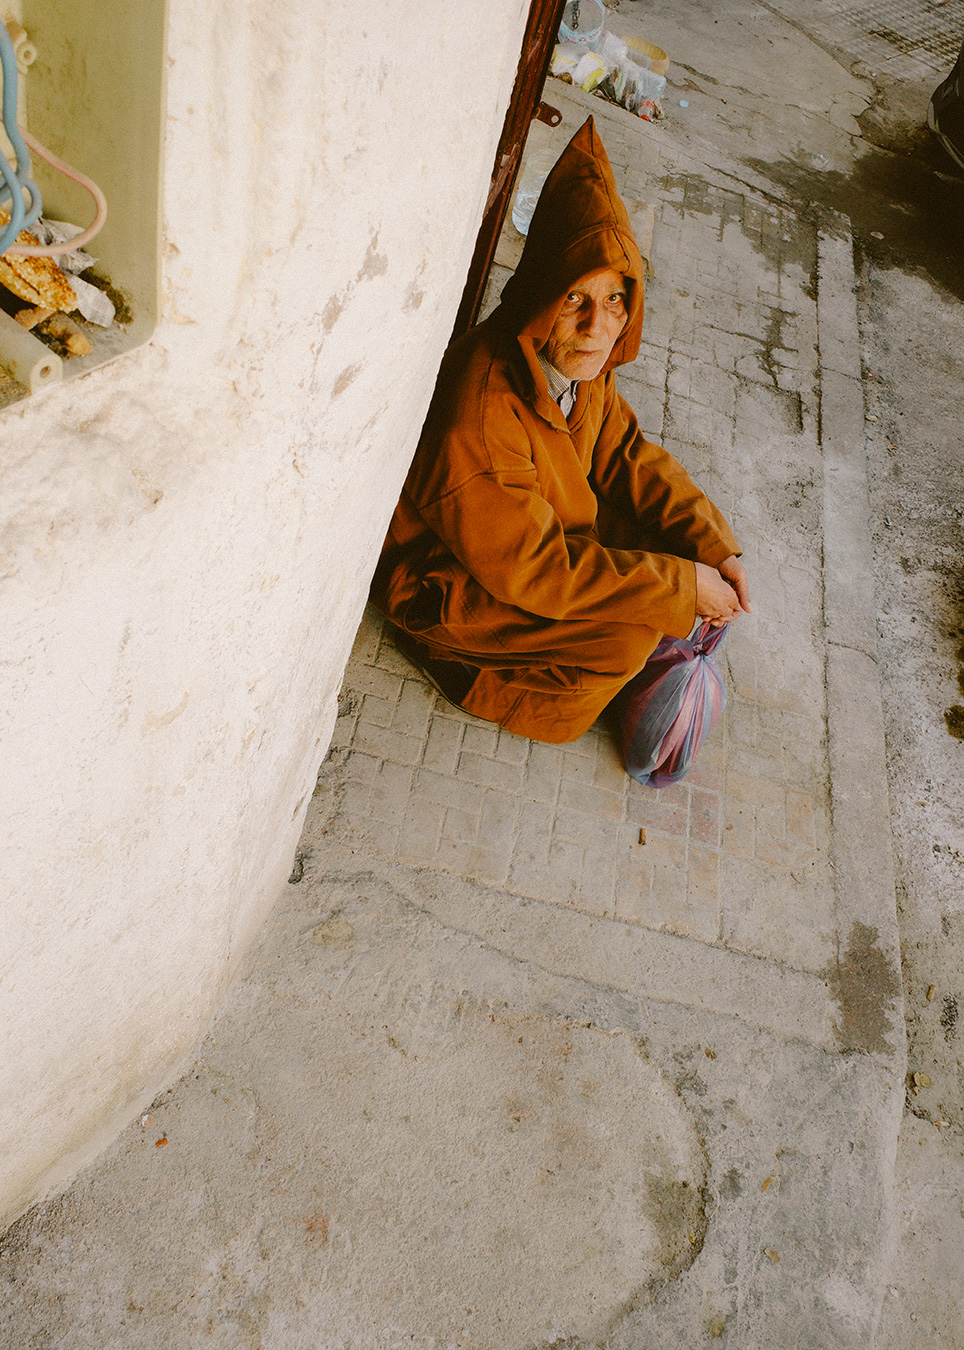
(534,174)
(583,21)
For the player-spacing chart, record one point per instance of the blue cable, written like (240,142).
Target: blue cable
(16,207)
(16,179)
(8,59)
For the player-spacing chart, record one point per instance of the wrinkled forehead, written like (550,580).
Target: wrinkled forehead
(601,281)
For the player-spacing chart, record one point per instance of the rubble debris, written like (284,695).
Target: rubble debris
(39,281)
(67,335)
(29,318)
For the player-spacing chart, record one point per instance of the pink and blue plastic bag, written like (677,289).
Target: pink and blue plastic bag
(668,709)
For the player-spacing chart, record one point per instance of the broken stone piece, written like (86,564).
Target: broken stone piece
(38,280)
(66,331)
(32,316)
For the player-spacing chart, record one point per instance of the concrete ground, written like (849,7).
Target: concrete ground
(531,1056)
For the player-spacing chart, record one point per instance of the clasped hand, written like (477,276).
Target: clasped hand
(722,592)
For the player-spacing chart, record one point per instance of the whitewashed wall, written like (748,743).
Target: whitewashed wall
(187,535)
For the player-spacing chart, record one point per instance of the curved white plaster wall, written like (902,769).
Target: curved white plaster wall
(188,533)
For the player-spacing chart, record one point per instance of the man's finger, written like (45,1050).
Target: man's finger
(742,584)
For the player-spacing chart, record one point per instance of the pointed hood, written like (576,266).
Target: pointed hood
(579,226)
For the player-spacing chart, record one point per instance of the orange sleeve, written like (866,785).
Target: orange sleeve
(639,477)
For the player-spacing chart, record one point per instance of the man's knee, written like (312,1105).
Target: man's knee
(613,650)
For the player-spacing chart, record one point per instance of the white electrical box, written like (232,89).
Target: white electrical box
(93,94)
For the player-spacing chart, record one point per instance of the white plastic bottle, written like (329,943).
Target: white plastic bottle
(534,174)
(583,21)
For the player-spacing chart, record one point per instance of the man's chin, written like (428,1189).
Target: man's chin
(585,367)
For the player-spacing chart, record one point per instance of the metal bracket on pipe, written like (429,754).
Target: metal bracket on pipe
(548,114)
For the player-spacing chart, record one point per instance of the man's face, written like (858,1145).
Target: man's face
(591,319)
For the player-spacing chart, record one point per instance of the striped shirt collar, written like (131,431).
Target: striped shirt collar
(560,389)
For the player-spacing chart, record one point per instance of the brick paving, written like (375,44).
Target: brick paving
(727,379)
(898,41)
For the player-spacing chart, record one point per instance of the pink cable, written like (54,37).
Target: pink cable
(79,240)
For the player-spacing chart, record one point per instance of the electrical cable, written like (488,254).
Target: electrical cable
(78,240)
(17,180)
(16,202)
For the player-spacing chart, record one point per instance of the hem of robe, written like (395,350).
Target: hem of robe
(551,718)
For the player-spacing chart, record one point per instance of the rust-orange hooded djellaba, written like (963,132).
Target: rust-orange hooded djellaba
(548,555)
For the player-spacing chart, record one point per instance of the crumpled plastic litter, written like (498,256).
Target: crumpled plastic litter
(91,301)
(613,74)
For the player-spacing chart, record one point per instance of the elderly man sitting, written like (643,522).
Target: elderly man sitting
(542,546)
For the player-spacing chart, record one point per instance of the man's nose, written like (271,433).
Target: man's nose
(592,317)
